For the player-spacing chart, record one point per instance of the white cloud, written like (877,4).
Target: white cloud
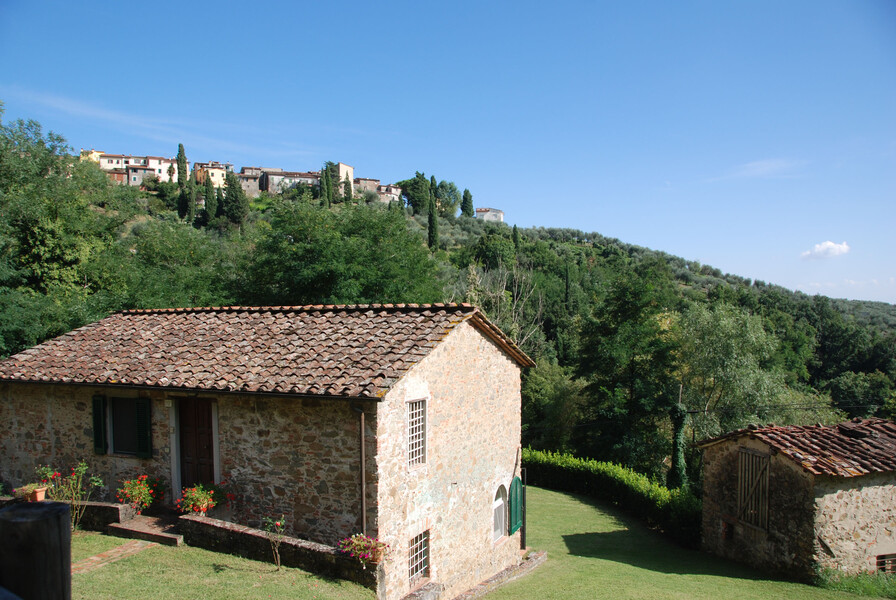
(768,168)
(826,250)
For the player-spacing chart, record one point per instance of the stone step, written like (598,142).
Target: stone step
(151,529)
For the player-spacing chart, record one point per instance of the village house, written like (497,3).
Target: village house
(399,421)
(131,169)
(794,499)
(213,170)
(490,214)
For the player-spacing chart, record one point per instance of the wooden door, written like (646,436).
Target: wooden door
(197,463)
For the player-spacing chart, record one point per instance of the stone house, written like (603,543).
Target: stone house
(400,421)
(490,214)
(793,499)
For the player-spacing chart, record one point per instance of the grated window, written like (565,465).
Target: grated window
(419,558)
(886,563)
(752,488)
(417,432)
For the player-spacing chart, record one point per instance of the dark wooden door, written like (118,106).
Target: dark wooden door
(197,463)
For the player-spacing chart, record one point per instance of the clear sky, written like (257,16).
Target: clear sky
(758,137)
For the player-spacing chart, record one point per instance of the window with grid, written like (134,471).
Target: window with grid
(419,558)
(752,488)
(417,432)
(886,563)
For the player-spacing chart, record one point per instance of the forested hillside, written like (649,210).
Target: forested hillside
(638,352)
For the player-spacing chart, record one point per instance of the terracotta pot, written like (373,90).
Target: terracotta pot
(37,494)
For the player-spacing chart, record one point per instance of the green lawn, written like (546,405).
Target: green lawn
(163,572)
(87,543)
(595,552)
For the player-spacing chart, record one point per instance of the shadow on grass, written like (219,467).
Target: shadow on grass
(629,541)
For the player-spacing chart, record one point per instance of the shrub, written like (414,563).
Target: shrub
(366,549)
(140,493)
(75,488)
(196,499)
(676,512)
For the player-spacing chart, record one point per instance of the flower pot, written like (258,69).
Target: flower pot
(37,494)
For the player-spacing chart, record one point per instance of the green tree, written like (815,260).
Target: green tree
(236,204)
(347,190)
(417,192)
(628,359)
(466,206)
(433,226)
(211,200)
(182,172)
(219,202)
(447,198)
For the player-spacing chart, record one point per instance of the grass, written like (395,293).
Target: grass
(866,584)
(595,552)
(87,543)
(163,572)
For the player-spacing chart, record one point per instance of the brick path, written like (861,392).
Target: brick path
(110,556)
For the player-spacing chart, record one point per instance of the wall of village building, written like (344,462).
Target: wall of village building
(280,455)
(52,424)
(472,389)
(856,521)
(300,458)
(787,545)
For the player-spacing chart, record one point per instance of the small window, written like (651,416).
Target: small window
(886,563)
(122,426)
(752,488)
(499,511)
(417,432)
(419,558)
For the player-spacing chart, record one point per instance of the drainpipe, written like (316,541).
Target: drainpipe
(360,411)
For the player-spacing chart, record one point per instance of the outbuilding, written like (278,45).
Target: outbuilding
(794,499)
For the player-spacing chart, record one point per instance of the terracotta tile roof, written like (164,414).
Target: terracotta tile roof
(850,449)
(355,351)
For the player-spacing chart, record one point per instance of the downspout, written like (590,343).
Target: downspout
(363,472)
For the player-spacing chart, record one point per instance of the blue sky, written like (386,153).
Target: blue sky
(757,137)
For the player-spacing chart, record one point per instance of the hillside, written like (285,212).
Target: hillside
(638,350)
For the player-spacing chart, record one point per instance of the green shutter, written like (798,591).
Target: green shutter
(100,444)
(144,428)
(516,505)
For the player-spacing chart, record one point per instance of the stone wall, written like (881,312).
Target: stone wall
(53,424)
(856,521)
(473,446)
(298,458)
(787,546)
(229,538)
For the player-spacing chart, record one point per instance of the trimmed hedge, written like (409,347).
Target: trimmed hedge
(676,512)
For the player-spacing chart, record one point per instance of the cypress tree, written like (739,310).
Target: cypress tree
(433,193)
(466,205)
(236,205)
(347,189)
(181,167)
(211,199)
(516,239)
(433,222)
(219,209)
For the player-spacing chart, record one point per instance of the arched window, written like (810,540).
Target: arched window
(499,509)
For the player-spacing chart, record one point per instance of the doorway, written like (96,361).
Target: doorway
(197,451)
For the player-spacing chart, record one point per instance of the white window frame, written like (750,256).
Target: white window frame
(417,429)
(499,514)
(418,558)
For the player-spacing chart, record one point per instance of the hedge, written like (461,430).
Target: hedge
(676,513)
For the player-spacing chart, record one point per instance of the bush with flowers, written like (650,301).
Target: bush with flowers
(274,529)
(196,499)
(368,550)
(140,492)
(75,488)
